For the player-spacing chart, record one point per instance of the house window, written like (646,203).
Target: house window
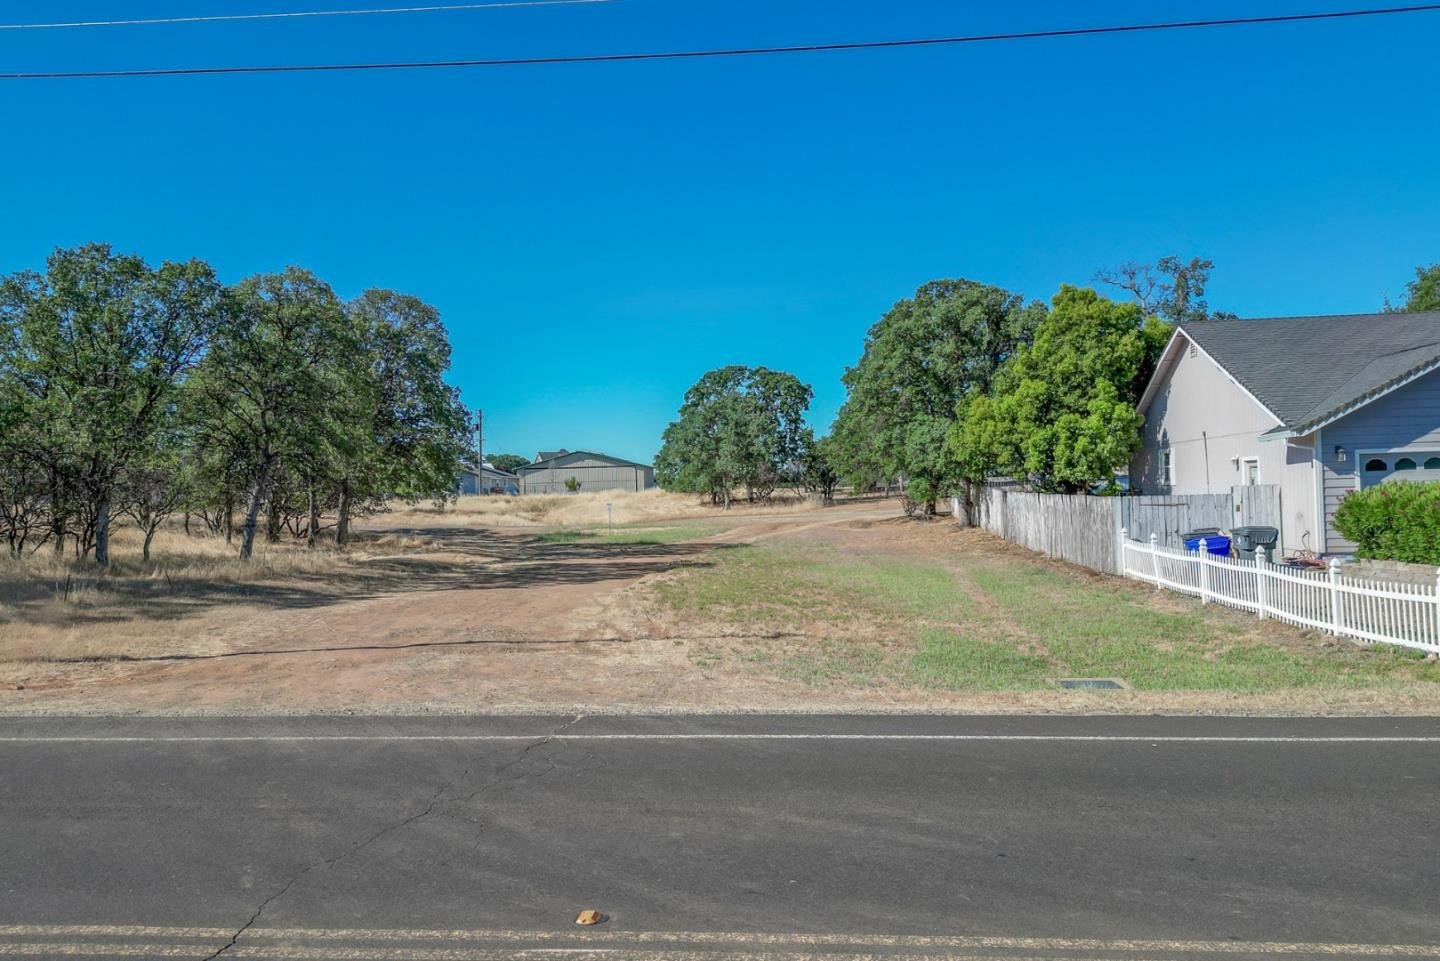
(1250,470)
(1405,463)
(1433,463)
(1376,463)
(1167,467)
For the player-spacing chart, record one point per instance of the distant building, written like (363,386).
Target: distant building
(590,470)
(487,479)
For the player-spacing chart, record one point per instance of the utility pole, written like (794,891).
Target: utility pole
(480,450)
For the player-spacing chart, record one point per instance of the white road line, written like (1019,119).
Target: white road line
(729,952)
(1092,738)
(84,937)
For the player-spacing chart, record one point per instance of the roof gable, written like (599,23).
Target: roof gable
(617,461)
(1307,370)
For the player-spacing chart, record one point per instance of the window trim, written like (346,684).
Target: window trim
(1167,466)
(1244,473)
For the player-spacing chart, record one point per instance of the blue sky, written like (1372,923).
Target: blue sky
(598,236)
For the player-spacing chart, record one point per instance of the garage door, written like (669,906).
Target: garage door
(1400,465)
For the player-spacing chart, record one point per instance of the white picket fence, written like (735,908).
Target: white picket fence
(1380,611)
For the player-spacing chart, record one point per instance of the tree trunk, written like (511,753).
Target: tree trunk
(272,522)
(259,494)
(342,523)
(187,523)
(229,508)
(314,525)
(102,531)
(726,496)
(149,536)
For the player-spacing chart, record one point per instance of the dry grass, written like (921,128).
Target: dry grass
(61,607)
(579,510)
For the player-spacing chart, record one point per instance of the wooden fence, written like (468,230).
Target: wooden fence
(1086,530)
(1170,517)
(1073,527)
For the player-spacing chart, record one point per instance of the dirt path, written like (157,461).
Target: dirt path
(489,620)
(499,621)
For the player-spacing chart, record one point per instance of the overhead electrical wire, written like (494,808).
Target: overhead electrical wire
(723,52)
(232,17)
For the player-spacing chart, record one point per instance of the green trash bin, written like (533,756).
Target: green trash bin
(1250,539)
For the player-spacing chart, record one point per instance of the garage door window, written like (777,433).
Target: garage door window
(1382,466)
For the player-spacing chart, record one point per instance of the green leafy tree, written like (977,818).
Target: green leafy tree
(1062,411)
(507,462)
(278,388)
(414,429)
(816,468)
(158,484)
(921,359)
(99,347)
(1422,293)
(739,426)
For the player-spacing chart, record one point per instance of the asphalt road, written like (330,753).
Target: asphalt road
(776,837)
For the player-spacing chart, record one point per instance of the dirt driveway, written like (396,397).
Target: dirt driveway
(484,620)
(851,608)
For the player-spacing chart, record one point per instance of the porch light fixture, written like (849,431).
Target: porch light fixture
(1339,454)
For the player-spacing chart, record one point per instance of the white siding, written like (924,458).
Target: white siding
(1211,425)
(1408,417)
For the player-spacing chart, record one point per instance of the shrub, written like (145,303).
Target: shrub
(919,498)
(1398,521)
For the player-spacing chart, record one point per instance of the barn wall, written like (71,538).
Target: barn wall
(594,474)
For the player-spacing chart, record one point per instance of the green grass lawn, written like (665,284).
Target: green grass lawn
(1001,622)
(668,534)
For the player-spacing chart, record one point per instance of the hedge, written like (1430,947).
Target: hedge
(1397,521)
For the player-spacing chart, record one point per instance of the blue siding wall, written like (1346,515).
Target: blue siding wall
(1408,417)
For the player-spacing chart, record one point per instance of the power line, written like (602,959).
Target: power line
(730,52)
(221,18)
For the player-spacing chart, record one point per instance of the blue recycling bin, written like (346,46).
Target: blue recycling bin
(1215,542)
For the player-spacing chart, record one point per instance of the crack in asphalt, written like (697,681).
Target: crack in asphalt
(429,808)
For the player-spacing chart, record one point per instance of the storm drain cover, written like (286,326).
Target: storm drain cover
(1092,684)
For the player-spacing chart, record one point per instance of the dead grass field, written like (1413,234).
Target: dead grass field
(513,605)
(580,510)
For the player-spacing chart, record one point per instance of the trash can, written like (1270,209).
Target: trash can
(1216,543)
(1249,539)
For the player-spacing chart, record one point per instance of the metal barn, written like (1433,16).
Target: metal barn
(592,471)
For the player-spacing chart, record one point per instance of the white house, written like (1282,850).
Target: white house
(1321,406)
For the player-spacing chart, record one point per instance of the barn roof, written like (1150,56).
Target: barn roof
(618,461)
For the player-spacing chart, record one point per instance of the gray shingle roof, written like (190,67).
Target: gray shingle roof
(1306,369)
